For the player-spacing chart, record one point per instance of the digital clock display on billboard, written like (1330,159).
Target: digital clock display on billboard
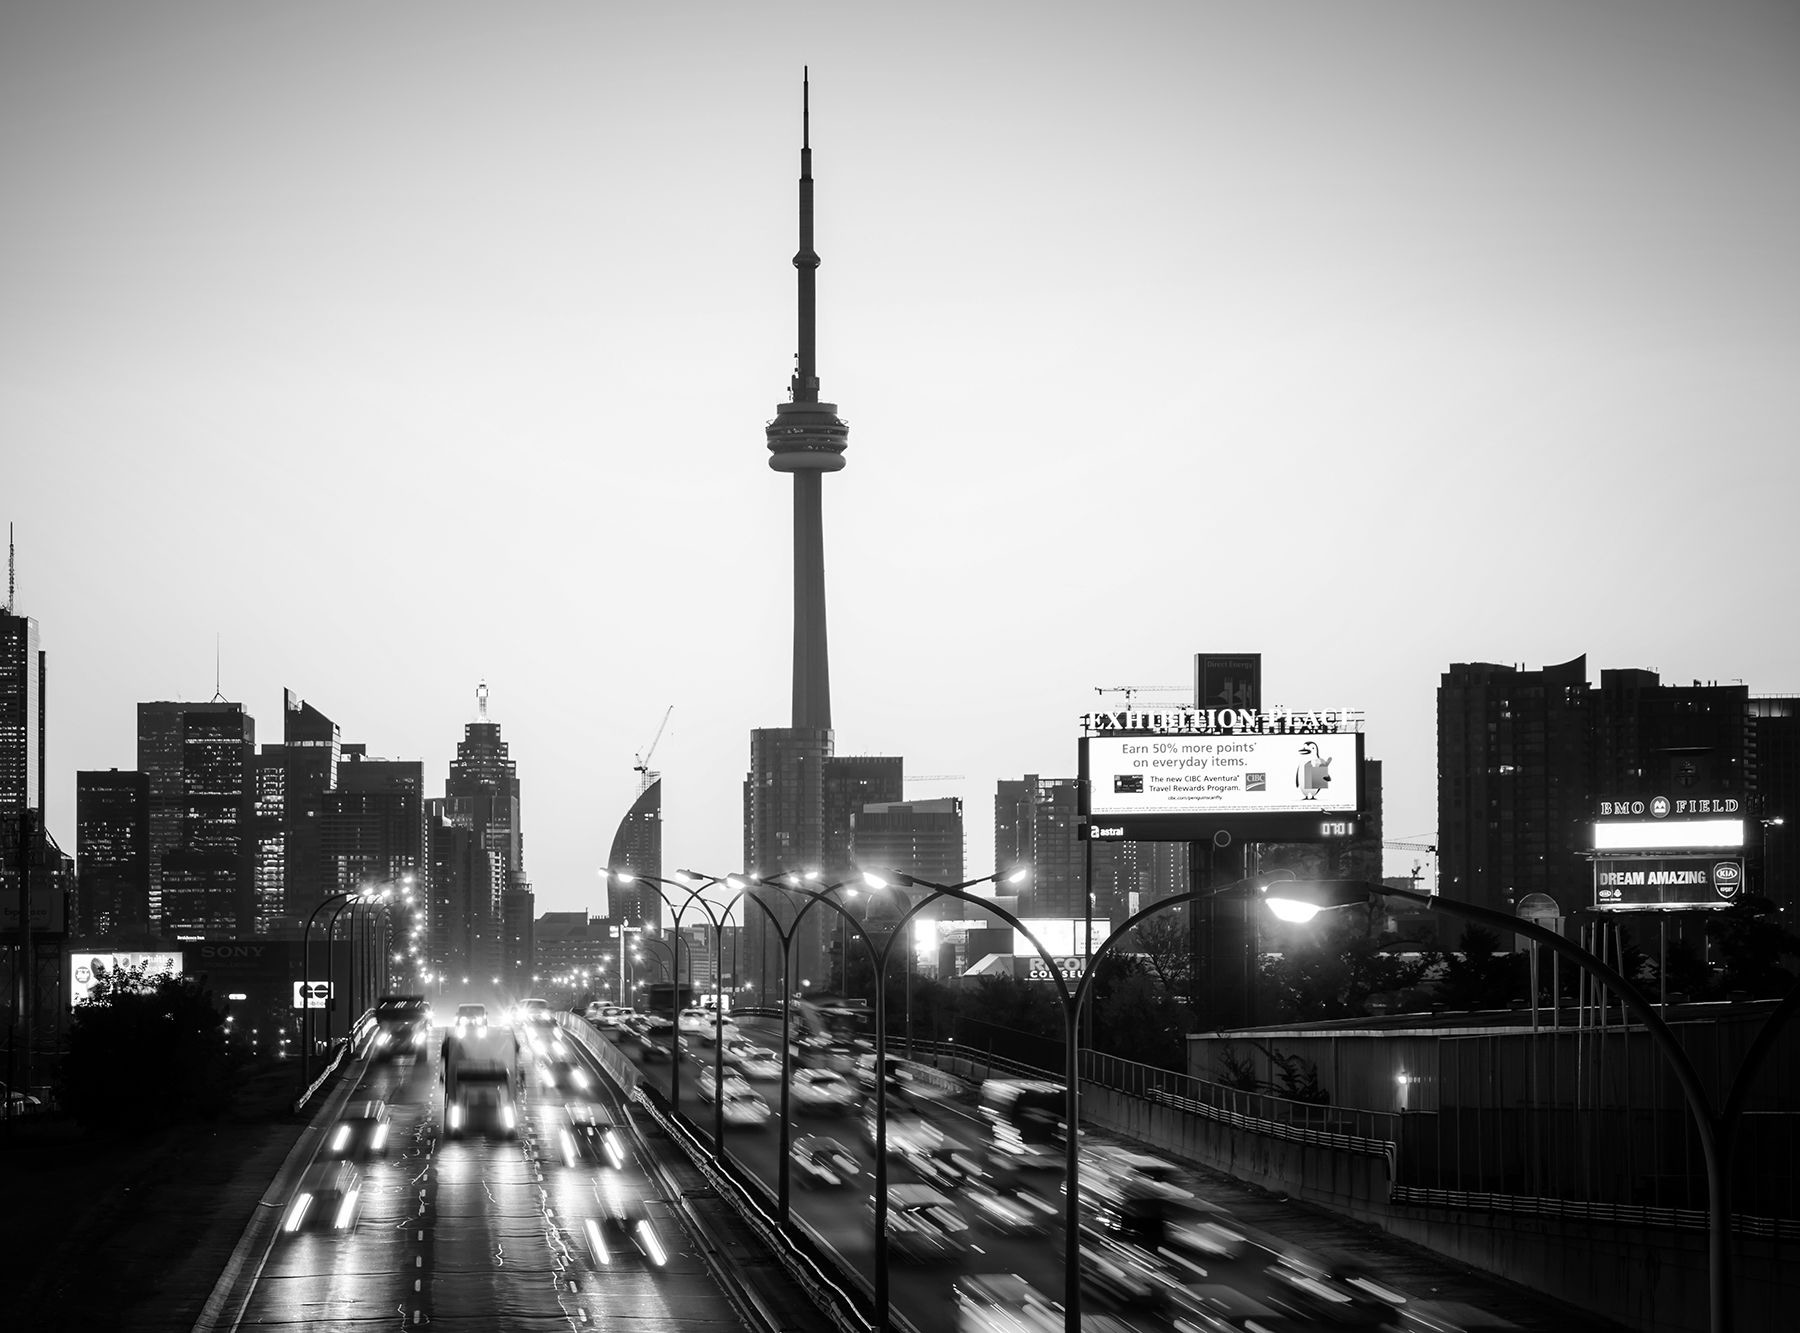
(1221,774)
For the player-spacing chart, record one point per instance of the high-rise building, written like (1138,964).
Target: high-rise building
(1777,728)
(853,782)
(22,718)
(268,801)
(518,949)
(112,849)
(636,849)
(1524,756)
(919,838)
(208,880)
(464,929)
(372,827)
(1036,821)
(311,750)
(22,725)
(481,795)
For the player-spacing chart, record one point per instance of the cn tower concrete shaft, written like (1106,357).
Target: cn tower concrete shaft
(812,660)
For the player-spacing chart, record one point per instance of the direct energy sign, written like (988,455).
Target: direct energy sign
(1228,774)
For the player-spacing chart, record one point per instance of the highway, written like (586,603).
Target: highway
(473,1233)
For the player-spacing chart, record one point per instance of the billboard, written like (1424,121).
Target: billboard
(87,968)
(1675,835)
(1220,775)
(1666,884)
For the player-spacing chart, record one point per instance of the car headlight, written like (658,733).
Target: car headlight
(341,1139)
(346,1213)
(380,1140)
(297,1214)
(456,1116)
(507,1118)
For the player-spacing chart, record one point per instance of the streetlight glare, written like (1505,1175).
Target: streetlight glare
(1018,876)
(874,881)
(1289,909)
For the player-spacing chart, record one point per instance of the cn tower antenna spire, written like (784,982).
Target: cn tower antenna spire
(805,386)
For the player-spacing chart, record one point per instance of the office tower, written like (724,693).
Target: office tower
(851,783)
(636,848)
(22,717)
(1035,825)
(112,849)
(372,827)
(482,791)
(208,876)
(162,757)
(481,795)
(1515,782)
(22,723)
(464,931)
(310,753)
(518,950)
(1776,720)
(567,944)
(922,838)
(268,800)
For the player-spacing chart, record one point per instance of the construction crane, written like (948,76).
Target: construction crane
(1129,690)
(642,766)
(1429,848)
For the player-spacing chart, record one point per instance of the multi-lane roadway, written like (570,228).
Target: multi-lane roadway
(482,1233)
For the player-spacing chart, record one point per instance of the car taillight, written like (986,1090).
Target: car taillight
(341,1139)
(346,1213)
(380,1140)
(597,1242)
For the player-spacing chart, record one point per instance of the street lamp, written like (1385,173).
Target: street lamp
(1301,901)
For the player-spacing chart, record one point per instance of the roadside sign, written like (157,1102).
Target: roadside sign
(311,994)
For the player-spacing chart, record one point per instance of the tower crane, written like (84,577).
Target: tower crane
(1129,690)
(1429,848)
(642,766)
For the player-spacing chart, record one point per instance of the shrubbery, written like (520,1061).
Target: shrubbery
(145,1051)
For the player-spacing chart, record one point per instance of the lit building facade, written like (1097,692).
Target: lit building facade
(112,851)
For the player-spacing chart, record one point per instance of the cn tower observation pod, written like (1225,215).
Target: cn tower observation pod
(807,437)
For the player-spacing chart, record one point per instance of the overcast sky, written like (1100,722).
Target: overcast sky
(400,346)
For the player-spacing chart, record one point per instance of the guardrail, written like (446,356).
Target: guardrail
(361,1033)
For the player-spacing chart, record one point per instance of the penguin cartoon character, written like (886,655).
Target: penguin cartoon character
(1314,774)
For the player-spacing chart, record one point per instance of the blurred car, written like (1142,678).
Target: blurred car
(824,1092)
(1003,1303)
(471,1016)
(707,1026)
(1001,1201)
(328,1198)
(533,1010)
(752,1061)
(734,1082)
(565,1075)
(947,1164)
(19,1103)
(907,1132)
(923,1224)
(693,1021)
(621,1231)
(745,1108)
(1215,1308)
(1331,1295)
(636,1035)
(591,1136)
(484,1107)
(402,1026)
(823,1161)
(1125,1274)
(362,1131)
(604,1015)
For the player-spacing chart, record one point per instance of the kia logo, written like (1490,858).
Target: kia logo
(1726,877)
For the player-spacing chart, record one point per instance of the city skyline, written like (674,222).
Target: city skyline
(1374,346)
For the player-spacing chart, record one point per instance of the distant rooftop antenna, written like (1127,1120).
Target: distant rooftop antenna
(218,675)
(481,700)
(9,569)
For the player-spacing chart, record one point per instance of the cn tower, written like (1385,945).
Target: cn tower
(807,438)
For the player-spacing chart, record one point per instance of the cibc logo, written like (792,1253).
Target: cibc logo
(1728,878)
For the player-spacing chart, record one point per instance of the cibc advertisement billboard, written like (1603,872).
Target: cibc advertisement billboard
(1186,786)
(1666,884)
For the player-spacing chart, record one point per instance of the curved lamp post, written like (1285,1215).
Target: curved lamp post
(1302,900)
(309,1024)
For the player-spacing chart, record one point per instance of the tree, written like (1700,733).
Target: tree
(1333,967)
(145,1051)
(1478,975)
(1750,943)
